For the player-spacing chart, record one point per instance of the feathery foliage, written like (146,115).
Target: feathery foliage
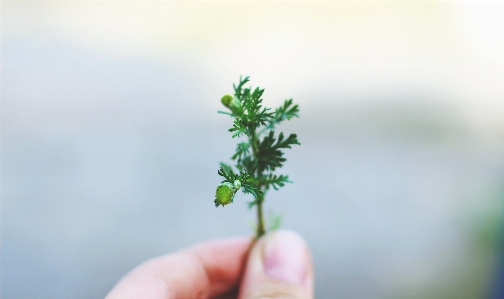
(261,154)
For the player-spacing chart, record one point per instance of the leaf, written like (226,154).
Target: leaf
(286,112)
(242,149)
(239,128)
(250,189)
(229,175)
(275,221)
(275,181)
(252,204)
(224,112)
(238,89)
(227,168)
(269,153)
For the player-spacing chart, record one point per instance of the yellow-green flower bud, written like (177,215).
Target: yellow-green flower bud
(232,103)
(226,100)
(224,194)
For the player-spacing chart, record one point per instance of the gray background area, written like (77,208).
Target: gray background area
(108,160)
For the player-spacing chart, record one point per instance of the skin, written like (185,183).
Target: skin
(226,268)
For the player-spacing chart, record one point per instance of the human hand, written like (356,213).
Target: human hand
(278,266)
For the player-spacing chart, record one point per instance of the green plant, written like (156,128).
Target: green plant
(261,154)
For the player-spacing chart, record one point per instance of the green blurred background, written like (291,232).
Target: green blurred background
(111,141)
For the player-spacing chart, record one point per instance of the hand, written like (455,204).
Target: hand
(278,266)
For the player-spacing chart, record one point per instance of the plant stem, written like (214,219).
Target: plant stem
(260,219)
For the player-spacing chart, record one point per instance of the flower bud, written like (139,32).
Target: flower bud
(226,100)
(232,103)
(224,194)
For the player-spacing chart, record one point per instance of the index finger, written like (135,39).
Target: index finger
(203,271)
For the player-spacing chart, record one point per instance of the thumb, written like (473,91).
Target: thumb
(279,266)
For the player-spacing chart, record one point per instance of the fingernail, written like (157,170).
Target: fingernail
(285,257)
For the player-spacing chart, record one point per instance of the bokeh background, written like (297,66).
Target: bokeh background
(111,141)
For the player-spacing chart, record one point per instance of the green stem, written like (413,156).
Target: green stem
(260,219)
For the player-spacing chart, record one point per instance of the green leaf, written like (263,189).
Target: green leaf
(286,112)
(242,149)
(229,175)
(251,204)
(238,89)
(269,153)
(275,221)
(275,181)
(227,168)
(250,189)
(224,112)
(238,128)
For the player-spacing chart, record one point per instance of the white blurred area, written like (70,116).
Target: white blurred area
(318,51)
(111,140)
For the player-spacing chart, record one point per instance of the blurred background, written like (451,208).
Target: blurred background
(111,141)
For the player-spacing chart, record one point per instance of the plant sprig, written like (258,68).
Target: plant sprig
(257,158)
